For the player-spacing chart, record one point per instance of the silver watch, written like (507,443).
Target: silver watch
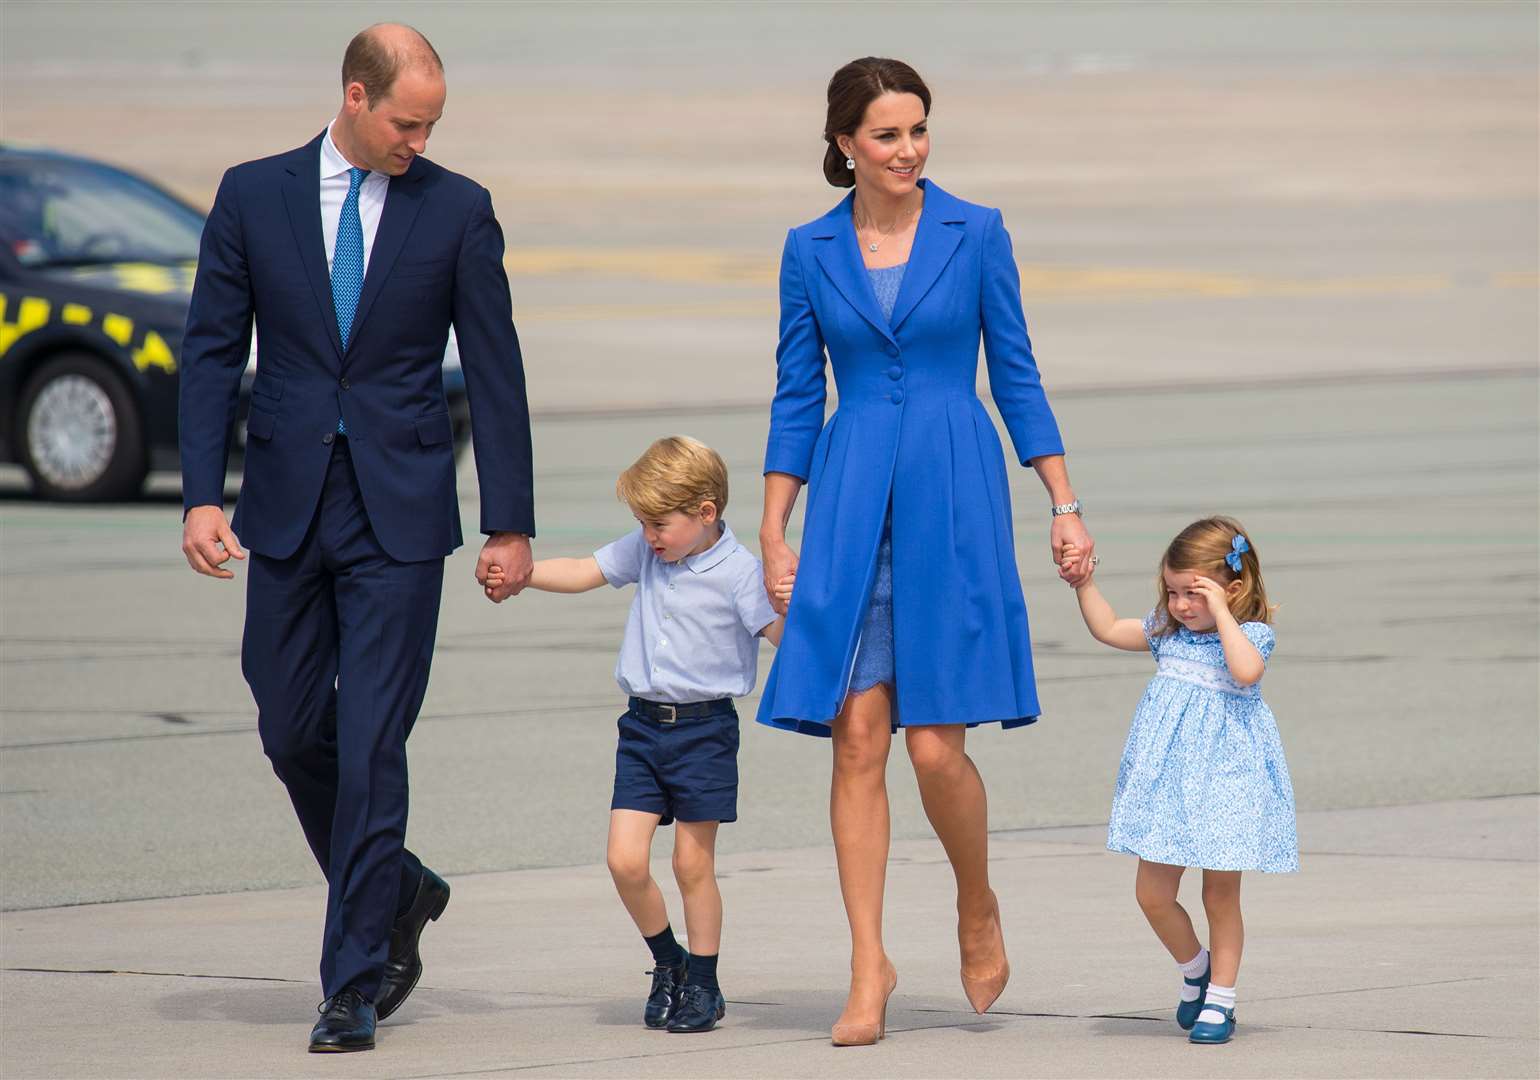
(1067,508)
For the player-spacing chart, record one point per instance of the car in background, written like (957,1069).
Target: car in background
(96,272)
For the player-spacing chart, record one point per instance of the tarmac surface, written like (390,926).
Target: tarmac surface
(1280,261)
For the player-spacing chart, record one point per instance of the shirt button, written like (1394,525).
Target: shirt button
(327,439)
(892,349)
(897,397)
(670,586)
(895,373)
(346,385)
(668,618)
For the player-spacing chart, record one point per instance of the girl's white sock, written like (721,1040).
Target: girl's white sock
(1218,997)
(1193,969)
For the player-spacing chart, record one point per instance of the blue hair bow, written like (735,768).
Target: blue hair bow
(1238,547)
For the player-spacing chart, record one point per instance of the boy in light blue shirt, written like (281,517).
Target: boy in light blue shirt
(691,646)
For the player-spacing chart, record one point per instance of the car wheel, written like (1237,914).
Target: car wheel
(81,435)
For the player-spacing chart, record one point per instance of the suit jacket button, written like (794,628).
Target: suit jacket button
(892,349)
(327,438)
(346,385)
(895,373)
(897,397)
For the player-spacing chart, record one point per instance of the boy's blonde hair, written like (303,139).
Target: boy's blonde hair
(676,473)
(1204,546)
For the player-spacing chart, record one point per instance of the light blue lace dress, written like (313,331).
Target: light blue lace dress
(1203,781)
(874,654)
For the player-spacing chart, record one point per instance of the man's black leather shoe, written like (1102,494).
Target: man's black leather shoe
(699,1011)
(664,997)
(403,965)
(347,1023)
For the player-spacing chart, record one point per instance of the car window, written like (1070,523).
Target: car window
(69,213)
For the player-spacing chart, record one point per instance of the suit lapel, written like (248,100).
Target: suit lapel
(935,240)
(403,199)
(302,200)
(839,253)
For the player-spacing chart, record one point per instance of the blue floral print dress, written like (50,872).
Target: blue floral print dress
(1203,781)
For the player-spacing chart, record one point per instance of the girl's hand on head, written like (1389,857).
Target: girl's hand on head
(1214,596)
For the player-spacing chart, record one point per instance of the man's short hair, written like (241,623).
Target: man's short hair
(677,473)
(373,60)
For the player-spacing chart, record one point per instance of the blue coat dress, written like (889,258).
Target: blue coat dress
(909,437)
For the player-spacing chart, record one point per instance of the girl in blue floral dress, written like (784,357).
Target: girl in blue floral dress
(1203,781)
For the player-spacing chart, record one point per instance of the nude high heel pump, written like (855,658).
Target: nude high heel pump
(867,1034)
(984,991)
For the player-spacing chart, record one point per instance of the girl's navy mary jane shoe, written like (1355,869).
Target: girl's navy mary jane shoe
(1187,1011)
(1214,1033)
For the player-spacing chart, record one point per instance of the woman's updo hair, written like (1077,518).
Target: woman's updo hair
(853,88)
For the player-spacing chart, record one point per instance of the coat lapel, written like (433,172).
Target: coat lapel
(935,240)
(403,199)
(302,200)
(839,253)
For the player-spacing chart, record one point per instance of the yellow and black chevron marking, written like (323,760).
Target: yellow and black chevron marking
(21,315)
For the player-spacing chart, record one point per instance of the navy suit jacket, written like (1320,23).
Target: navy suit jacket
(437,259)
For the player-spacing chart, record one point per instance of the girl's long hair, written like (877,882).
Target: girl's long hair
(1203,546)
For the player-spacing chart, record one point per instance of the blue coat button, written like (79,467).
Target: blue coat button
(895,373)
(897,397)
(892,349)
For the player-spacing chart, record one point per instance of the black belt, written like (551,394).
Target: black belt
(666,713)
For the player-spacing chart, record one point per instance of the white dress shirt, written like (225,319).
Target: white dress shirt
(334,192)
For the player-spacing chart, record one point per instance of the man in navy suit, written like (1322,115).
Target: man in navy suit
(354,255)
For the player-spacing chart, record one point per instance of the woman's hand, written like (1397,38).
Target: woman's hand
(1069,535)
(1214,596)
(780,569)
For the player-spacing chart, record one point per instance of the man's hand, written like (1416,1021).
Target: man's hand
(208,542)
(510,553)
(1072,549)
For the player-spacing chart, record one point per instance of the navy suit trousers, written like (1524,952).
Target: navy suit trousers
(338,641)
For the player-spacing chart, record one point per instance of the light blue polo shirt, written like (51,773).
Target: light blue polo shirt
(692,634)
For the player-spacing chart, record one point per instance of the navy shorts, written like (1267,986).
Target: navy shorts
(687,769)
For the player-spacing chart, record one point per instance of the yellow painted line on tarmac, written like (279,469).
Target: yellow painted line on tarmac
(697,267)
(731,309)
(1516,280)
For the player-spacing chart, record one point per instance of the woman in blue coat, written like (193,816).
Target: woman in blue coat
(908,610)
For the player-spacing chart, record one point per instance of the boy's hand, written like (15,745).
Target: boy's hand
(496,579)
(781,594)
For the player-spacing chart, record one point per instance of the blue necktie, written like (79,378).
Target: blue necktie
(348,263)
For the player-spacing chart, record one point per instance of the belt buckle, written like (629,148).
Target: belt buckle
(668,714)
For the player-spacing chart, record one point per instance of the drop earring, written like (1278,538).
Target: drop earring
(850,163)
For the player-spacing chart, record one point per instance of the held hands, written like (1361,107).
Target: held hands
(780,572)
(508,554)
(208,543)
(1073,549)
(1071,555)
(780,595)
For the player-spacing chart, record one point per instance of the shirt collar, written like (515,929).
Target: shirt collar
(725,545)
(332,161)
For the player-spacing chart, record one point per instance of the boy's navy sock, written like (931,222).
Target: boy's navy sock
(665,950)
(703,972)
